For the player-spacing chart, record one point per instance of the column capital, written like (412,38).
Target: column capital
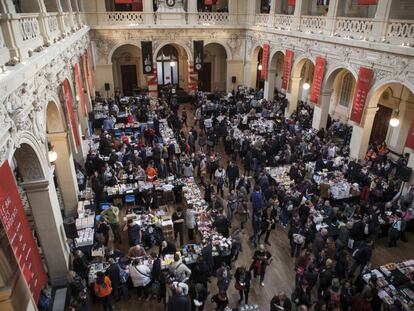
(35,186)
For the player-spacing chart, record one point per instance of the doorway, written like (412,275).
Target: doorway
(129,79)
(380,126)
(204,78)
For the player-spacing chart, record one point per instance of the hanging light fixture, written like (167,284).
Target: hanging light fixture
(172,63)
(306,86)
(52,155)
(395,121)
(260,67)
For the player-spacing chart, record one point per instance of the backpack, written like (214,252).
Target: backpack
(123,275)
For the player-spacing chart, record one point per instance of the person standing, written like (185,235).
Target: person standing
(280,302)
(178,221)
(242,284)
(103,290)
(220,301)
(134,232)
(362,255)
(231,205)
(261,259)
(179,301)
(268,221)
(141,277)
(118,277)
(190,219)
(112,214)
(220,175)
(232,175)
(198,294)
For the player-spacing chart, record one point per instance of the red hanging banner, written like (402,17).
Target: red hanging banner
(123,1)
(80,88)
(265,60)
(287,67)
(318,75)
(410,137)
(361,92)
(86,74)
(18,232)
(71,112)
(367,2)
(292,2)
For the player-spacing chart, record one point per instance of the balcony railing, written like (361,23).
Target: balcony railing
(128,18)
(52,25)
(313,24)
(262,20)
(214,18)
(347,26)
(400,31)
(283,22)
(29,26)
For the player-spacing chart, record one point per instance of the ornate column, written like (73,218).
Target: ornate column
(65,171)
(321,111)
(361,134)
(43,201)
(294,94)
(269,87)
(301,8)
(331,17)
(192,12)
(382,15)
(148,12)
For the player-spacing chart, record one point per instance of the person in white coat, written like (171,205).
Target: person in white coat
(141,277)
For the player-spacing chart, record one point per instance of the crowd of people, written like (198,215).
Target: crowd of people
(331,240)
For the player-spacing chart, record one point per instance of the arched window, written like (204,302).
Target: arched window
(346,89)
(167,65)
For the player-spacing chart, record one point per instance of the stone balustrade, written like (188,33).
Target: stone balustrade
(313,24)
(400,31)
(353,27)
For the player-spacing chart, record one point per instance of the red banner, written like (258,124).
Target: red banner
(287,67)
(80,88)
(292,2)
(123,1)
(410,137)
(86,75)
(367,2)
(361,91)
(265,60)
(318,75)
(71,112)
(18,232)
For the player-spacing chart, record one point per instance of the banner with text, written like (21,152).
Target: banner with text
(318,75)
(410,137)
(18,232)
(287,67)
(71,112)
(265,61)
(198,55)
(80,88)
(361,91)
(147,62)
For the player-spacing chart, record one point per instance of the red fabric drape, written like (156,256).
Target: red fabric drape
(71,112)
(361,92)
(80,88)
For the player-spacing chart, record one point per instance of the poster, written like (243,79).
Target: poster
(361,91)
(410,137)
(287,67)
(80,89)
(19,234)
(147,62)
(198,55)
(318,76)
(265,61)
(71,112)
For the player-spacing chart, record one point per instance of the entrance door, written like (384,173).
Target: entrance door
(380,126)
(204,78)
(129,79)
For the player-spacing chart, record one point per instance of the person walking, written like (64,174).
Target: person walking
(243,278)
(112,214)
(178,224)
(261,259)
(134,233)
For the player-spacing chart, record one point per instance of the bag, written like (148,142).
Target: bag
(298,238)
(355,253)
(123,275)
(238,286)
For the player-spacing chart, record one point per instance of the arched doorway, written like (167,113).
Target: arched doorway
(273,83)
(127,70)
(39,198)
(213,76)
(335,98)
(386,101)
(172,66)
(65,172)
(301,84)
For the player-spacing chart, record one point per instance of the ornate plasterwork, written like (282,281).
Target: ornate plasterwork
(22,111)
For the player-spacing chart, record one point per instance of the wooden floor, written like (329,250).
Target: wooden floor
(279,275)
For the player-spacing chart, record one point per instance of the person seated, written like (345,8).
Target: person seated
(167,248)
(151,172)
(136,252)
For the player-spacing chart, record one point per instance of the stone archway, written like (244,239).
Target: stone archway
(57,136)
(37,183)
(215,62)
(301,81)
(275,75)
